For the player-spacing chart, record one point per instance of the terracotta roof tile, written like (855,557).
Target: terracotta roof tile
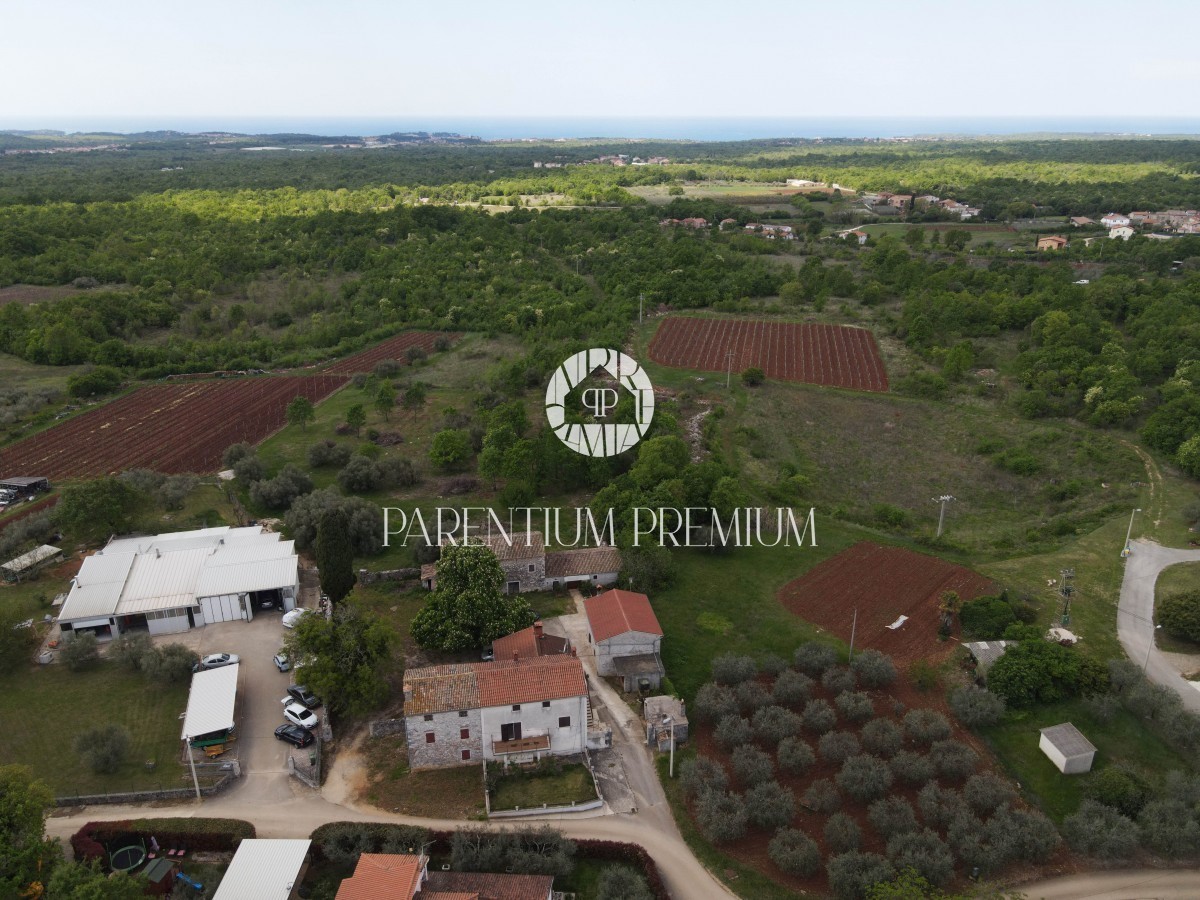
(526,645)
(618,612)
(441,688)
(383,876)
(475,685)
(489,886)
(584,561)
(520,545)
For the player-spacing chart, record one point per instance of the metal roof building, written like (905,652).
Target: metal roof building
(28,564)
(211,699)
(172,582)
(265,869)
(1067,748)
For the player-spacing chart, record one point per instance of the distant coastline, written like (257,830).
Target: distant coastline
(645,128)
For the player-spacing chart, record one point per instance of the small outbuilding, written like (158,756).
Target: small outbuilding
(27,565)
(265,869)
(1068,749)
(661,715)
(987,652)
(627,638)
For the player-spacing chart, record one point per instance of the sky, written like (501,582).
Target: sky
(356,58)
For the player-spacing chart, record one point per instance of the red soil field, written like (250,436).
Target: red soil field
(170,428)
(393,348)
(831,355)
(883,583)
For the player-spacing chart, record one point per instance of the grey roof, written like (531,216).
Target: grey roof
(655,708)
(210,701)
(1068,740)
(32,559)
(265,869)
(987,652)
(640,664)
(23,481)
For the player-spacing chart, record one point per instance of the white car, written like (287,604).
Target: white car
(292,617)
(282,663)
(297,714)
(216,660)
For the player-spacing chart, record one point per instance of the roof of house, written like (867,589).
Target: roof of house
(618,612)
(502,683)
(654,708)
(510,547)
(528,643)
(384,876)
(987,652)
(584,561)
(639,664)
(1068,740)
(488,885)
(265,869)
(1054,238)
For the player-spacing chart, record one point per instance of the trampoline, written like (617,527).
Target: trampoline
(127,858)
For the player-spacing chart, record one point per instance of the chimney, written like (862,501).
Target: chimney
(408,693)
(516,656)
(537,630)
(573,653)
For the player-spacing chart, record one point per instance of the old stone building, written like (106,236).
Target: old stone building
(627,638)
(528,567)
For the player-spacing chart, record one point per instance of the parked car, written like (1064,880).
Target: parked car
(297,714)
(216,660)
(291,617)
(303,696)
(294,735)
(282,663)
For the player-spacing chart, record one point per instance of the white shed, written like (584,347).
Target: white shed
(211,700)
(1068,749)
(265,869)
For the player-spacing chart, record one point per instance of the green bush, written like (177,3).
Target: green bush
(985,618)
(1179,614)
(794,852)
(81,652)
(1119,787)
(1101,831)
(622,883)
(104,748)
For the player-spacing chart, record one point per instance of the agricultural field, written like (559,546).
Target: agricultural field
(827,355)
(168,428)
(394,349)
(870,586)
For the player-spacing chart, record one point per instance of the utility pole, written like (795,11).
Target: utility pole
(1066,589)
(853,628)
(943,500)
(1128,533)
(728,368)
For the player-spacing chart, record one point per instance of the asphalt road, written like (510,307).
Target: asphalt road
(1135,617)
(1134,884)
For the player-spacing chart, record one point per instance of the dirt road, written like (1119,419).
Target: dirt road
(1135,884)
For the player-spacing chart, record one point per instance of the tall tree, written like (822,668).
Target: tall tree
(345,657)
(300,412)
(99,508)
(335,554)
(356,417)
(25,854)
(385,400)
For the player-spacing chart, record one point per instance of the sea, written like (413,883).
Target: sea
(667,128)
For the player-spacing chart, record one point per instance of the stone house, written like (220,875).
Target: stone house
(627,638)
(528,567)
(511,710)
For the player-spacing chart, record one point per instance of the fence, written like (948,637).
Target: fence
(145,795)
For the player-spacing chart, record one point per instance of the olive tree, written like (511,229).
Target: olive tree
(818,716)
(925,853)
(838,679)
(852,874)
(794,852)
(821,796)
(751,766)
(842,833)
(792,688)
(924,726)
(722,816)
(913,768)
(891,816)
(732,731)
(854,706)
(1101,831)
(882,737)
(702,774)
(713,702)
(795,756)
(985,793)
(874,669)
(838,746)
(976,707)
(864,777)
(813,658)
(770,805)
(731,669)
(774,723)
(953,759)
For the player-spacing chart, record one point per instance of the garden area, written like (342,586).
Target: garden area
(550,782)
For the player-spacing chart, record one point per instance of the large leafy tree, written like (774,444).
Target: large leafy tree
(335,554)
(300,412)
(99,508)
(87,881)
(25,854)
(344,659)
(468,610)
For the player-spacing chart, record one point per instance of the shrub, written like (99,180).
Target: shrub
(722,817)
(1169,827)
(750,765)
(985,618)
(842,833)
(282,490)
(838,746)
(925,677)
(874,669)
(773,664)
(913,768)
(852,874)
(818,716)
(1023,834)
(939,805)
(81,652)
(792,688)
(881,737)
(891,816)
(976,707)
(397,472)
(774,723)
(1179,614)
(864,777)
(753,377)
(770,805)
(923,852)
(1183,787)
(622,883)
(751,696)
(713,702)
(795,756)
(732,731)
(854,706)
(1102,707)
(926,726)
(732,669)
(1153,701)
(249,469)
(821,796)
(1121,788)
(104,749)
(1036,671)
(813,658)
(1101,831)
(985,793)
(527,850)
(344,842)
(794,852)
(702,774)
(359,476)
(837,680)
(171,662)
(234,454)
(953,759)
(1124,674)
(130,649)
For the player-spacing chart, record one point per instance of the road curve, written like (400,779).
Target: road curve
(1135,615)
(1131,884)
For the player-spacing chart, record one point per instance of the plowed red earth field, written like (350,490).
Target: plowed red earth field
(883,583)
(832,355)
(393,348)
(170,428)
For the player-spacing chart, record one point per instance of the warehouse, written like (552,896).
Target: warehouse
(167,583)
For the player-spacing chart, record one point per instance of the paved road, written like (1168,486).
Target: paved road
(1134,884)
(1135,616)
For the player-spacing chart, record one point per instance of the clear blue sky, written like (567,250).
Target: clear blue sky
(183,58)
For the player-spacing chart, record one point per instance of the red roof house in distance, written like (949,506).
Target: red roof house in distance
(403,876)
(627,638)
(384,876)
(528,643)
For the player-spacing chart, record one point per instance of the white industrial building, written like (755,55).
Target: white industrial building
(169,583)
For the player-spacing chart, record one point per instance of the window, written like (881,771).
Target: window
(564,721)
(462,713)
(531,567)
(545,704)
(430,737)
(516,707)
(466,754)
(428,718)
(464,733)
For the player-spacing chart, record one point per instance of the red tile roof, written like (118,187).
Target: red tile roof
(584,561)
(441,688)
(618,612)
(526,644)
(489,886)
(383,876)
(502,683)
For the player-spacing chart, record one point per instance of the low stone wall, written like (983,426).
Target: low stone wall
(144,796)
(546,810)
(385,727)
(366,577)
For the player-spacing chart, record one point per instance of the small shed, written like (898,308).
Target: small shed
(987,652)
(1068,749)
(29,564)
(265,869)
(657,710)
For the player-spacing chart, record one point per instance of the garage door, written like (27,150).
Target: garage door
(225,608)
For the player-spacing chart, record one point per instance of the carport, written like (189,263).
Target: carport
(211,701)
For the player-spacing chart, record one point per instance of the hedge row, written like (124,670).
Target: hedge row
(194,834)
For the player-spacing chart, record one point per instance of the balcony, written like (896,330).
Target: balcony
(527,743)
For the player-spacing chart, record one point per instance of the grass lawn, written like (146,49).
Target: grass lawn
(1123,740)
(525,790)
(1176,580)
(42,710)
(451,793)
(584,881)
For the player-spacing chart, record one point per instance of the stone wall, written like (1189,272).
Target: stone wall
(448,743)
(367,577)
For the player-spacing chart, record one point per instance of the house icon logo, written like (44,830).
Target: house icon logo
(600,438)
